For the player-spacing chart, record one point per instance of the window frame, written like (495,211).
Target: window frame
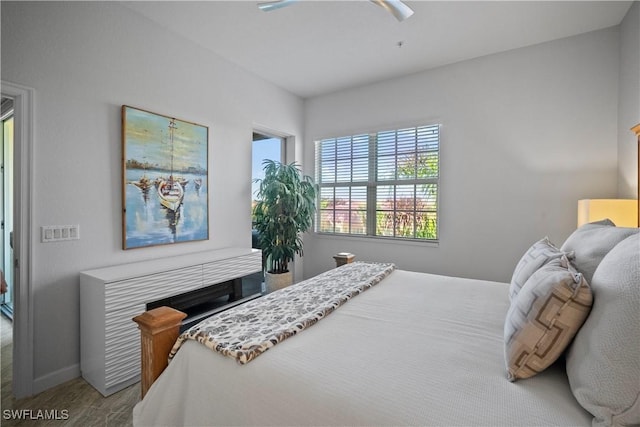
(374,182)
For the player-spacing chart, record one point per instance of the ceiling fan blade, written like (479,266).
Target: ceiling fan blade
(396,7)
(274,5)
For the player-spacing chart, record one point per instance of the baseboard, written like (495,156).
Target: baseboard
(53,379)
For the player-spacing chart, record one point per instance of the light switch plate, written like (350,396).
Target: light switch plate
(58,233)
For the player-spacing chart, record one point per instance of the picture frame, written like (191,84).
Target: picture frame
(165,179)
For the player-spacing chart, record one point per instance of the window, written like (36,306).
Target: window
(380,184)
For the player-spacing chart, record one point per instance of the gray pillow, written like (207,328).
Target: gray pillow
(591,242)
(603,362)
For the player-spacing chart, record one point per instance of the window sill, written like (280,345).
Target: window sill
(376,239)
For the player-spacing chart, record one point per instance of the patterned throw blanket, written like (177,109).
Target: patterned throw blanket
(248,330)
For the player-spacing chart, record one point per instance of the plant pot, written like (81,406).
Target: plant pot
(273,282)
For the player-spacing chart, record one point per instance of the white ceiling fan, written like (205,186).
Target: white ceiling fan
(396,7)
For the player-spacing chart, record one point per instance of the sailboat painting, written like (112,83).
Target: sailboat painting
(165,179)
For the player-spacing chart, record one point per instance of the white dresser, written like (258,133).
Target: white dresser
(110,297)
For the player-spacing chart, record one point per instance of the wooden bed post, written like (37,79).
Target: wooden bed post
(159,329)
(343,258)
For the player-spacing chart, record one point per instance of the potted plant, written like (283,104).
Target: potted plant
(285,209)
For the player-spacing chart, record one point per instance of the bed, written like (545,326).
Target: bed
(413,349)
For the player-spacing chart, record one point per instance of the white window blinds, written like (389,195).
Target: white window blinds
(380,184)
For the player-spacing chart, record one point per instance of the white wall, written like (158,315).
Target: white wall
(85,60)
(629,106)
(525,134)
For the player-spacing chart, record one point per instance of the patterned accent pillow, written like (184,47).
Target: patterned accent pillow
(544,317)
(536,256)
(591,242)
(603,362)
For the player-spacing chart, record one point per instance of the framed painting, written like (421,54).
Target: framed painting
(165,179)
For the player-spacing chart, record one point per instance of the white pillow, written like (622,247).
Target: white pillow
(603,363)
(591,242)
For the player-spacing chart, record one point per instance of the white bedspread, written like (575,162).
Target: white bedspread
(417,349)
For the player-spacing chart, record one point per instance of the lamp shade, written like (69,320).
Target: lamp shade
(623,212)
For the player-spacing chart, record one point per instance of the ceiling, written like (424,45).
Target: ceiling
(315,47)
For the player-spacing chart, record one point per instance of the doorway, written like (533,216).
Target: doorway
(6,204)
(19,238)
(265,147)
